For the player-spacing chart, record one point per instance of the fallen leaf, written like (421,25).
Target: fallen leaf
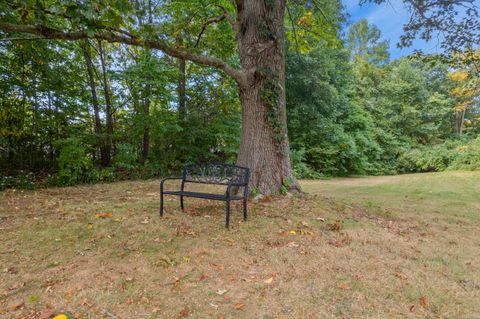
(202,277)
(90,226)
(213,305)
(61,316)
(268,281)
(104,215)
(321,219)
(11,270)
(266,198)
(345,240)
(337,243)
(183,313)
(413,308)
(335,226)
(292,244)
(293,232)
(221,291)
(401,275)
(16,286)
(17,304)
(344,286)
(305,232)
(46,314)
(239,306)
(424,301)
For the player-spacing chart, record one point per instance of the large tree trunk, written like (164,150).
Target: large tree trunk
(264,143)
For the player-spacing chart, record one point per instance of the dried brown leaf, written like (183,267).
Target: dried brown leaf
(424,301)
(239,306)
(104,215)
(183,313)
(344,286)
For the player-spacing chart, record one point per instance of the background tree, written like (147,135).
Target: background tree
(456,23)
(364,41)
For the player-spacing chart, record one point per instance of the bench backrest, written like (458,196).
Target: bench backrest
(221,174)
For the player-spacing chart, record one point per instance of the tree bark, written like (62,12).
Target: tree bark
(181,83)
(264,144)
(459,121)
(96,108)
(108,105)
(148,92)
(181,89)
(146,125)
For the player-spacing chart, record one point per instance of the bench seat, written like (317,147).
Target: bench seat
(222,197)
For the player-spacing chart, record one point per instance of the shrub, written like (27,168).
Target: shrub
(74,166)
(21,181)
(467,156)
(452,155)
(300,168)
(125,157)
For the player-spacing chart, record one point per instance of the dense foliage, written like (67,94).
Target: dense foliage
(90,111)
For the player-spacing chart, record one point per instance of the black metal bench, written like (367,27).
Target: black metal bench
(231,176)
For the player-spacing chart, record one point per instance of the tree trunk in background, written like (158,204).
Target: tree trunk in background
(264,144)
(181,84)
(108,105)
(96,109)
(146,125)
(148,88)
(459,121)
(181,89)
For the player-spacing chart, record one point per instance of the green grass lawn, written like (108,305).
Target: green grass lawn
(376,247)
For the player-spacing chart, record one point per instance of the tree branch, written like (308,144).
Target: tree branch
(293,27)
(230,18)
(207,23)
(112,37)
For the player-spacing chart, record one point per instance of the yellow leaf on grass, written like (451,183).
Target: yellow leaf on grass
(293,232)
(90,226)
(268,281)
(62,316)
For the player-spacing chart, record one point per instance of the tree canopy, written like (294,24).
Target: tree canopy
(95,91)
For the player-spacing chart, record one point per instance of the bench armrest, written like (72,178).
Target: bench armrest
(168,178)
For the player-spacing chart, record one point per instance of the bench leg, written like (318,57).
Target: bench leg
(244,209)
(161,204)
(227,222)
(181,203)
